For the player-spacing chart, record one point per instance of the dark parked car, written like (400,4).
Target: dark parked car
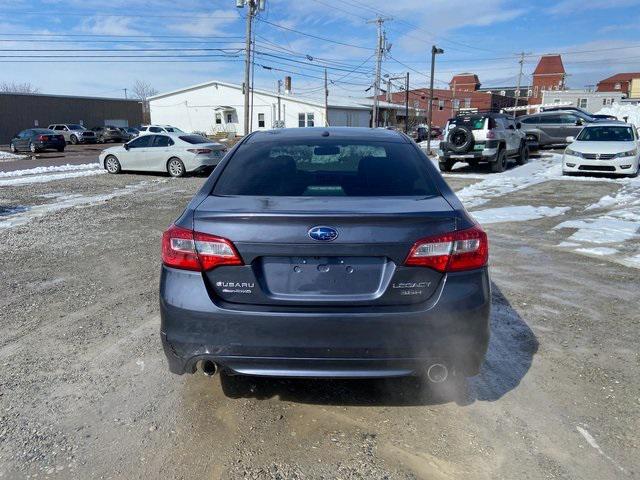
(420,133)
(552,128)
(37,140)
(581,111)
(108,133)
(325,252)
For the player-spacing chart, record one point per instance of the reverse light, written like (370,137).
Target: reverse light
(451,252)
(188,250)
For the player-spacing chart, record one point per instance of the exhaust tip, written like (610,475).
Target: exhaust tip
(208,367)
(437,373)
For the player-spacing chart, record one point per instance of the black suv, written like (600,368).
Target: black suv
(483,137)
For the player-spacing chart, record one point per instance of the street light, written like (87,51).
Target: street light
(434,51)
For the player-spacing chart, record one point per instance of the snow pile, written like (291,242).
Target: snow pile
(10,157)
(29,179)
(57,168)
(516,214)
(620,111)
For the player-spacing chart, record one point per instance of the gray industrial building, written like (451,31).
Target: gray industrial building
(19,111)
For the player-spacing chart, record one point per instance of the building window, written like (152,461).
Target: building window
(218,118)
(440,104)
(517,93)
(229,118)
(310,122)
(529,92)
(301,122)
(617,86)
(503,93)
(467,103)
(456,104)
(582,102)
(261,120)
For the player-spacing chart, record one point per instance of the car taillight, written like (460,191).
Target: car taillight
(451,252)
(42,138)
(199,150)
(189,250)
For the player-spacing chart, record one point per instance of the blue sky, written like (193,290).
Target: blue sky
(596,38)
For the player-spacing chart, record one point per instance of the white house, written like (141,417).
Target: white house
(588,100)
(215,107)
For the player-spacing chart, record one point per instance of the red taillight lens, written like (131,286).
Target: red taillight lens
(42,138)
(199,150)
(189,250)
(451,252)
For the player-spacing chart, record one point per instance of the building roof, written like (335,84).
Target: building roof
(334,101)
(465,79)
(549,65)
(620,77)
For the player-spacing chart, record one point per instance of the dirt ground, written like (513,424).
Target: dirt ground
(85,391)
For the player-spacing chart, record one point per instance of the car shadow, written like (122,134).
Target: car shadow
(509,357)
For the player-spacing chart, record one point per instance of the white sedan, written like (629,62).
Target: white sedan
(603,148)
(174,153)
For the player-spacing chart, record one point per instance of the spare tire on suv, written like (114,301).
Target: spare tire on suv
(460,139)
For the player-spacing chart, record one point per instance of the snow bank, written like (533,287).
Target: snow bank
(9,157)
(57,168)
(516,214)
(623,110)
(28,179)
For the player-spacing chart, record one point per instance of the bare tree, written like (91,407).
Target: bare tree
(143,90)
(14,87)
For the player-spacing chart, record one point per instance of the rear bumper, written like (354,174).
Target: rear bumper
(353,343)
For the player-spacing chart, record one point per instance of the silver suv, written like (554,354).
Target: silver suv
(482,137)
(73,133)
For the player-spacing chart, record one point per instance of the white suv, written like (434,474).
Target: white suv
(482,137)
(145,129)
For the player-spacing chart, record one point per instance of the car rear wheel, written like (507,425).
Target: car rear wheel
(175,167)
(500,164)
(74,140)
(523,154)
(112,164)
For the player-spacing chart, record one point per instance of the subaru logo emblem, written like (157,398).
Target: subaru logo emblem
(323,234)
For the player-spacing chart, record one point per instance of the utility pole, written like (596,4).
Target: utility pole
(279,93)
(125,93)
(434,51)
(326,100)
(406,105)
(380,50)
(252,9)
(406,96)
(521,62)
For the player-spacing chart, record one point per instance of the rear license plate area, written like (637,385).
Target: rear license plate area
(323,276)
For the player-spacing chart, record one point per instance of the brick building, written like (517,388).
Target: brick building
(464,82)
(620,83)
(548,75)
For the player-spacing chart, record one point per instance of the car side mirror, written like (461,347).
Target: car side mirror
(571,139)
(126,146)
(518,125)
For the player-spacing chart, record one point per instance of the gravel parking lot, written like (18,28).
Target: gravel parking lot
(85,391)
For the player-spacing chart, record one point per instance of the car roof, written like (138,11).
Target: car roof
(612,123)
(340,133)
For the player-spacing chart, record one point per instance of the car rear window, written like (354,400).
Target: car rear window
(606,134)
(326,168)
(194,139)
(474,122)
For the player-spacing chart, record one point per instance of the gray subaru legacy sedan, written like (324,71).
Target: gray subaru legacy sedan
(325,252)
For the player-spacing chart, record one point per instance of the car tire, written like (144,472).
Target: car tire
(523,154)
(33,148)
(175,167)
(112,165)
(446,166)
(500,163)
(74,140)
(13,148)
